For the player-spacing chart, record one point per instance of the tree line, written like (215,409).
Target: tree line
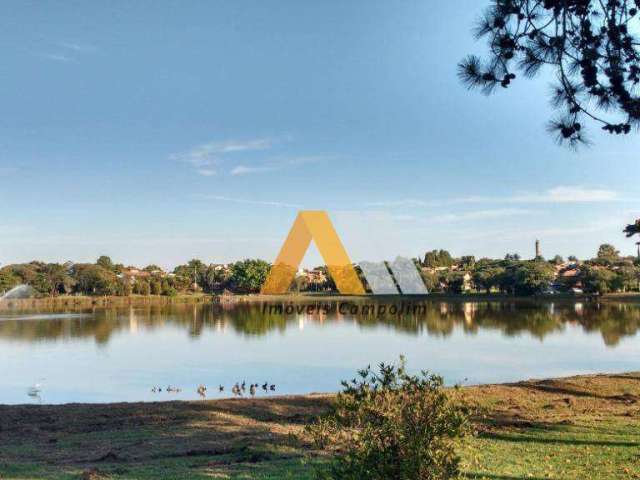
(607,272)
(104,277)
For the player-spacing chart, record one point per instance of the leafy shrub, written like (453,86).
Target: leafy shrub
(392,425)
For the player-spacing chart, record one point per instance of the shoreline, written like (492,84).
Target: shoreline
(319,396)
(138,300)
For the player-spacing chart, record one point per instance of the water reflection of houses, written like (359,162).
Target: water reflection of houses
(132,275)
(133,320)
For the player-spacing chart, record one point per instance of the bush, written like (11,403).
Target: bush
(392,425)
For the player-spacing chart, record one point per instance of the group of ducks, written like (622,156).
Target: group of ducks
(238,389)
(169,389)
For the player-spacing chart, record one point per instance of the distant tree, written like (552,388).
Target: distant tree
(105,262)
(123,288)
(533,277)
(152,268)
(557,260)
(214,278)
(430,281)
(57,278)
(142,287)
(626,279)
(249,275)
(512,257)
(488,277)
(572,258)
(607,253)
(455,282)
(155,286)
(438,258)
(598,280)
(8,279)
(195,271)
(467,261)
(26,272)
(42,285)
(95,280)
(591,46)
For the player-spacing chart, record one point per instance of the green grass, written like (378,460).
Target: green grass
(603,450)
(606,450)
(579,428)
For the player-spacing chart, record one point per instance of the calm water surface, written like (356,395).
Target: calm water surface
(107,355)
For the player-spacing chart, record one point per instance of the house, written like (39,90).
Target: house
(131,275)
(568,278)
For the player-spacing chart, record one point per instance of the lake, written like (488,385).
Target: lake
(119,354)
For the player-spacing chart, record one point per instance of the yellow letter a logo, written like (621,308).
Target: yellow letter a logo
(313,225)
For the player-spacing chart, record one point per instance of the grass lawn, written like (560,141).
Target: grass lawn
(575,428)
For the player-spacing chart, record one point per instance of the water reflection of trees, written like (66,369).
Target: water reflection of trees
(612,321)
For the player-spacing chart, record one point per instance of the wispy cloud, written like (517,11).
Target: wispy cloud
(598,226)
(206,172)
(245,170)
(207,158)
(568,194)
(271,165)
(247,201)
(223,157)
(57,57)
(480,215)
(78,47)
(67,52)
(559,194)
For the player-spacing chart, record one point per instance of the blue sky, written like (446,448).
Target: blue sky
(160,131)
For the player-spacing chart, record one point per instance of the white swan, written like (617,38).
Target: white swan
(35,389)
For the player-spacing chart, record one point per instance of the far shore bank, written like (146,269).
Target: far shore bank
(71,301)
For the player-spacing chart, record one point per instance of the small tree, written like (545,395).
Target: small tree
(392,425)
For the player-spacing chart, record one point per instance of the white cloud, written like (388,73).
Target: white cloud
(214,157)
(206,158)
(207,172)
(569,194)
(244,170)
(405,202)
(246,201)
(277,164)
(213,150)
(559,194)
